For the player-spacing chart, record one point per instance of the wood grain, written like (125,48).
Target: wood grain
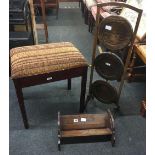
(141,51)
(88,132)
(92,121)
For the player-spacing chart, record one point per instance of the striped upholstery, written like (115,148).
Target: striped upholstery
(45,58)
(106,8)
(91,3)
(103,13)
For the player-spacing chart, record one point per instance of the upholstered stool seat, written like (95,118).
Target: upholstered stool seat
(39,59)
(39,64)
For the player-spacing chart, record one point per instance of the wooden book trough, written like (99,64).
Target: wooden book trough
(85,128)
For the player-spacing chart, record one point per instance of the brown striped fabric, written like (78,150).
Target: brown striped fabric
(44,58)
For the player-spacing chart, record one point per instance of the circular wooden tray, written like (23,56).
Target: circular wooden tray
(104,92)
(109,66)
(115,32)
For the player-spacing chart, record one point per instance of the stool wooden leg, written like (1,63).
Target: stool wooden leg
(69,84)
(57,12)
(82,8)
(21,103)
(83,91)
(79,3)
(89,21)
(86,16)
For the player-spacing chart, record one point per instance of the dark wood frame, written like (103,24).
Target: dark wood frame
(27,23)
(91,22)
(19,20)
(26,40)
(49,4)
(46,78)
(143,108)
(137,68)
(82,5)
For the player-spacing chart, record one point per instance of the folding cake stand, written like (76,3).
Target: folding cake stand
(116,34)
